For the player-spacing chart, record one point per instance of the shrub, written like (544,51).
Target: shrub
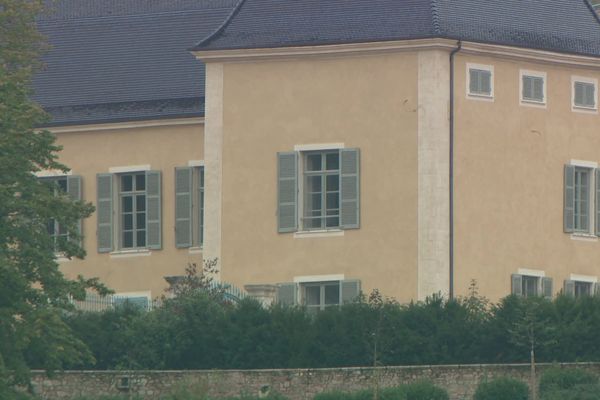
(502,389)
(424,391)
(569,384)
(413,391)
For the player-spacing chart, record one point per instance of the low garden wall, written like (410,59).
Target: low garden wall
(296,384)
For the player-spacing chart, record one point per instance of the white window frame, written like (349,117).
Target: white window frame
(321,281)
(590,234)
(533,273)
(479,96)
(530,102)
(583,109)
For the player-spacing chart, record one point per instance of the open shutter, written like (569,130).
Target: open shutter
(547,287)
(183,207)
(287,294)
(350,188)
(569,201)
(597,174)
(516,284)
(74,190)
(596,289)
(104,212)
(153,210)
(349,290)
(200,206)
(287,192)
(569,288)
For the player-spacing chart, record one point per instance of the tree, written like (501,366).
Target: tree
(33,292)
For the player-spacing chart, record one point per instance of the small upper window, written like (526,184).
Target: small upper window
(533,87)
(585,94)
(480,82)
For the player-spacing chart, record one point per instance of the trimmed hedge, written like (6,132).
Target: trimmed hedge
(414,391)
(502,389)
(569,384)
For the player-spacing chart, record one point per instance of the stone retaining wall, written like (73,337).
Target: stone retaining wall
(296,384)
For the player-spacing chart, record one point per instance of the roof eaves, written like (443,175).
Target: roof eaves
(219,29)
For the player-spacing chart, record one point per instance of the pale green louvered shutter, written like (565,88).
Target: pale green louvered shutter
(516,284)
(547,287)
(579,94)
(527,87)
(153,210)
(569,288)
(597,174)
(569,200)
(590,96)
(349,290)
(287,294)
(200,206)
(596,289)
(104,212)
(183,207)
(287,192)
(538,88)
(350,188)
(74,190)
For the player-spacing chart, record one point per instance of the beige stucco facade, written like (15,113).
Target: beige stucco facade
(158,145)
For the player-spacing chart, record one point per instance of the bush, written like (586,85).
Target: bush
(502,389)
(569,384)
(413,391)
(583,392)
(424,391)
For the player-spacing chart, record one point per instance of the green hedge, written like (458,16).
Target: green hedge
(414,391)
(569,384)
(502,389)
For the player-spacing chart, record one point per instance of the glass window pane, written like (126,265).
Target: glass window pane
(333,201)
(140,203)
(140,182)
(313,183)
(126,183)
(333,183)
(313,162)
(315,203)
(332,161)
(128,222)
(140,220)
(62,184)
(333,222)
(332,294)
(313,295)
(127,204)
(127,239)
(141,238)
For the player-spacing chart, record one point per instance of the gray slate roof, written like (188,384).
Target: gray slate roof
(117,60)
(568,26)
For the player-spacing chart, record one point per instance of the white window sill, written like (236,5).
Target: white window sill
(130,253)
(587,237)
(533,103)
(318,233)
(480,97)
(585,110)
(195,250)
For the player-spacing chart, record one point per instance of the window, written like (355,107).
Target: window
(318,190)
(70,185)
(317,294)
(189,206)
(533,87)
(583,289)
(129,211)
(585,94)
(480,82)
(581,184)
(581,286)
(531,283)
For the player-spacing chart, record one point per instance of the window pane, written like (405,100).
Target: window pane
(332,222)
(333,183)
(333,201)
(140,220)
(333,161)
(127,204)
(332,294)
(141,238)
(140,182)
(313,295)
(313,162)
(530,286)
(582,289)
(127,239)
(313,183)
(315,204)
(128,222)
(140,203)
(126,183)
(62,184)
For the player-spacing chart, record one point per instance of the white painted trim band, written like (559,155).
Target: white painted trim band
(318,278)
(318,234)
(582,163)
(52,173)
(196,163)
(129,168)
(531,272)
(583,278)
(130,253)
(318,146)
(127,125)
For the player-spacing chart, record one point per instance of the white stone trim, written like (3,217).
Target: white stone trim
(584,237)
(318,278)
(533,103)
(582,163)
(52,173)
(130,253)
(318,146)
(588,236)
(580,109)
(318,233)
(129,168)
(433,268)
(195,163)
(532,272)
(146,293)
(478,96)
(127,125)
(583,278)
(195,250)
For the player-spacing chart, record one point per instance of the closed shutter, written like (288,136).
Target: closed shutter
(474,86)
(596,289)
(547,287)
(183,207)
(538,89)
(104,212)
(74,190)
(349,290)
(527,87)
(569,200)
(200,206)
(516,284)
(486,82)
(287,192)
(569,288)
(590,95)
(597,175)
(287,294)
(153,210)
(350,190)
(579,94)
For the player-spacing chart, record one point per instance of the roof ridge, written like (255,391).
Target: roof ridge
(221,27)
(435,17)
(593,10)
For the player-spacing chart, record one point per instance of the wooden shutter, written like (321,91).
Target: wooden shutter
(527,87)
(516,284)
(350,188)
(200,206)
(349,290)
(597,176)
(579,94)
(183,207)
(486,82)
(596,289)
(569,288)
(590,96)
(287,192)
(538,88)
(287,294)
(474,86)
(569,200)
(74,190)
(104,212)
(153,210)
(547,287)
